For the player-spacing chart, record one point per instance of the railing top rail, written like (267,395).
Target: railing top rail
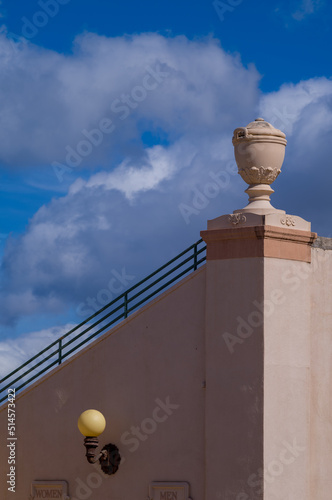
(122,301)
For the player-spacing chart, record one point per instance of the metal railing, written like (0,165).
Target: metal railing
(117,310)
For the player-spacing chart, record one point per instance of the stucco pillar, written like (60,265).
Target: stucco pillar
(257,340)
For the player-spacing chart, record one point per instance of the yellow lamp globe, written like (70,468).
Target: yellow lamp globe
(91,423)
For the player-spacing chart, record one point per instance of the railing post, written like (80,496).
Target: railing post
(125,304)
(60,350)
(195,256)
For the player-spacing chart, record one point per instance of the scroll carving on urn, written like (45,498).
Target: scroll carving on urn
(259,153)
(259,175)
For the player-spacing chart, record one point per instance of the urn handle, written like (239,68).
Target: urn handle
(240,132)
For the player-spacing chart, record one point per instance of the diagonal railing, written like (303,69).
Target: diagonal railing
(115,311)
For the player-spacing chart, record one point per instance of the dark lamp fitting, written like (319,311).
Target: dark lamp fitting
(109,457)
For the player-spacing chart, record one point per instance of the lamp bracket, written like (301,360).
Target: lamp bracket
(109,457)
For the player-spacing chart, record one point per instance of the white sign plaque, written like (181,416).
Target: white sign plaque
(169,491)
(49,490)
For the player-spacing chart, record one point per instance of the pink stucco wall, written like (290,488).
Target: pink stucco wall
(321,375)
(156,355)
(242,351)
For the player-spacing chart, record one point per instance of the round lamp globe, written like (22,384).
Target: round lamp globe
(91,423)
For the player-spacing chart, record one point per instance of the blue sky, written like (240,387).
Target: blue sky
(113,119)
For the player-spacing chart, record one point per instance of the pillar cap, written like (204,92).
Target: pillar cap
(241,219)
(245,235)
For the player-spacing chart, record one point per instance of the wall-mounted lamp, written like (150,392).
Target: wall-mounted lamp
(91,424)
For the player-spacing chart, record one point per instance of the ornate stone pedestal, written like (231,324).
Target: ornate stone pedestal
(258,336)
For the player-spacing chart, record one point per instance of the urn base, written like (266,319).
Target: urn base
(259,200)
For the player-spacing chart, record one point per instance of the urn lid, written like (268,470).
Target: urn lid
(257,128)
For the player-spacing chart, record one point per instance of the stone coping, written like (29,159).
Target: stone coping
(323,242)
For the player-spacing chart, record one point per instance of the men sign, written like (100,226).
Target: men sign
(169,491)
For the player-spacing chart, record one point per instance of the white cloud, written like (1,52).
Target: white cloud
(127,213)
(129,217)
(159,164)
(105,221)
(306,8)
(14,352)
(48,100)
(285,108)
(304,112)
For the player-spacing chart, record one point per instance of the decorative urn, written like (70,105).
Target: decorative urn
(259,153)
